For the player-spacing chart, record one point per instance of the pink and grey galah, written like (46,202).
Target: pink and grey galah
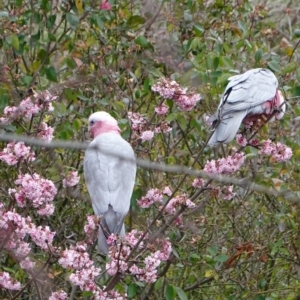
(247,98)
(109,171)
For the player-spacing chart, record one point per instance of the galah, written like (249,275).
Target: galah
(247,98)
(109,171)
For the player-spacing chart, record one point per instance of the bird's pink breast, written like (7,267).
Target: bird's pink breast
(101,127)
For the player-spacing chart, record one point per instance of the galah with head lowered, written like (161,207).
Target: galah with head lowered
(247,97)
(109,171)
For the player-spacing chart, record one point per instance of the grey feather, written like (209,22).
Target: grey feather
(243,96)
(110,180)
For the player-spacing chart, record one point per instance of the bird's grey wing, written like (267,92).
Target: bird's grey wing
(227,128)
(248,90)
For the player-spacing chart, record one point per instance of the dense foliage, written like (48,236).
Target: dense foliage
(63,60)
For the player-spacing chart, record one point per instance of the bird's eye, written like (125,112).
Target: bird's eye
(92,122)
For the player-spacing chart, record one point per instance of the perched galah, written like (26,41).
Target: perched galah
(109,171)
(247,97)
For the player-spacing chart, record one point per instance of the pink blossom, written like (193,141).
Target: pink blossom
(227,165)
(198,183)
(279,152)
(16,151)
(71,179)
(85,278)
(153,195)
(227,192)
(167,191)
(181,200)
(60,295)
(35,189)
(171,90)
(163,127)
(27,264)
(29,107)
(241,140)
(91,228)
(45,132)
(147,135)
(42,236)
(132,237)
(162,109)
(111,239)
(76,257)
(46,210)
(44,96)
(105,5)
(138,122)
(9,283)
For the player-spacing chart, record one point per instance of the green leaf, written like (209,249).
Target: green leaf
(198,29)
(158,284)
(73,20)
(213,250)
(131,291)
(221,258)
(258,55)
(13,40)
(51,74)
(26,80)
(242,25)
(50,21)
(289,68)
(135,20)
(274,66)
(170,292)
(77,124)
(181,294)
(141,41)
(4,14)
(228,62)
(298,74)
(297,33)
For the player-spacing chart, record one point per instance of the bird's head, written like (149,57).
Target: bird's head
(102,122)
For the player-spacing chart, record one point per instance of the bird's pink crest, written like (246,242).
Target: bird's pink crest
(102,122)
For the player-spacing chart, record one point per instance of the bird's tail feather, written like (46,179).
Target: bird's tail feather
(110,223)
(227,128)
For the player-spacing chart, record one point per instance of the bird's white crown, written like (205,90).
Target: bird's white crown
(104,117)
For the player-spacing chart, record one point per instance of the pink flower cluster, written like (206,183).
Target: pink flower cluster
(71,179)
(9,283)
(152,196)
(36,191)
(181,200)
(28,107)
(78,259)
(228,165)
(225,192)
(279,152)
(151,262)
(241,140)
(162,109)
(170,89)
(59,295)
(15,152)
(139,125)
(45,132)
(198,183)
(91,228)
(118,255)
(13,230)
